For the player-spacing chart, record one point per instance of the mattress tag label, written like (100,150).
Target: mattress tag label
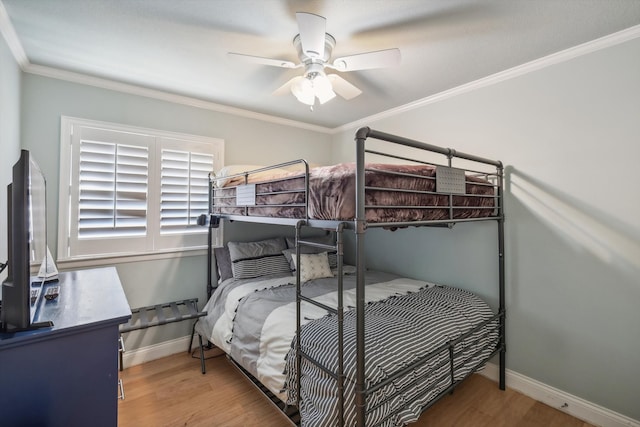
(246,195)
(450,180)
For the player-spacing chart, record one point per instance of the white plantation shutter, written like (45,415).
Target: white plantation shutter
(201,166)
(113,185)
(184,189)
(132,191)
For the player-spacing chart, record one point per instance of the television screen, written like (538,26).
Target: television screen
(27,244)
(38,218)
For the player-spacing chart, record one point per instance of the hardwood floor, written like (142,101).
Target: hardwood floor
(173,392)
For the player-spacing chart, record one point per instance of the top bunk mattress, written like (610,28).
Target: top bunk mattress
(393,193)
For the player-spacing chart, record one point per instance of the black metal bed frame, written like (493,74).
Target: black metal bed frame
(359,225)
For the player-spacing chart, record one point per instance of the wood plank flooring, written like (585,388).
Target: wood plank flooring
(173,392)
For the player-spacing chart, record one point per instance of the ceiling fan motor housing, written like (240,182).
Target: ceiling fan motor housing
(315,57)
(313,70)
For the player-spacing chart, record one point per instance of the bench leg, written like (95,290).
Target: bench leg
(193,332)
(201,355)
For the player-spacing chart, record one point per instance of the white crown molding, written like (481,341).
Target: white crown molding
(101,83)
(520,70)
(10,36)
(560,400)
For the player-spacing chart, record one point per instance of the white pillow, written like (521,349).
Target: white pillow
(314,266)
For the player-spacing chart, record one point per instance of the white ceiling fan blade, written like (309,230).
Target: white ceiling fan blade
(343,87)
(264,61)
(286,88)
(365,61)
(312,30)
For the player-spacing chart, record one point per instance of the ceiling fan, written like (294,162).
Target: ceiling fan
(314,47)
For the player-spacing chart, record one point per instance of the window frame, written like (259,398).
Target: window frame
(155,245)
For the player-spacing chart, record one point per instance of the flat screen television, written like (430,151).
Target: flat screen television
(27,245)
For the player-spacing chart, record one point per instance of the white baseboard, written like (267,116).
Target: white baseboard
(156,351)
(565,402)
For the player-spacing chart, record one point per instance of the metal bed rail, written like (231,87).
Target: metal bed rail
(362,135)
(447,390)
(246,176)
(223,200)
(454,369)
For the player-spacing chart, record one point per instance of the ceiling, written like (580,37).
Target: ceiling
(180,46)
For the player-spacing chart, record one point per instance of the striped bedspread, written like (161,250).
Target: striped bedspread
(399,331)
(253,320)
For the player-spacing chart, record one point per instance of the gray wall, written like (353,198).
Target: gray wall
(44,100)
(10,78)
(568,134)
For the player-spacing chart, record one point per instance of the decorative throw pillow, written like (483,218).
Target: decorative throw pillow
(314,266)
(255,259)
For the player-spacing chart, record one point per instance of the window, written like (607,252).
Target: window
(132,191)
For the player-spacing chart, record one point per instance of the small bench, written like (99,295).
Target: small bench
(162,314)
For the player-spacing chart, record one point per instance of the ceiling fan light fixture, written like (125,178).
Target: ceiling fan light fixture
(322,88)
(313,85)
(302,89)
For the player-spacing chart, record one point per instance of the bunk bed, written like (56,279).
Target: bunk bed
(339,362)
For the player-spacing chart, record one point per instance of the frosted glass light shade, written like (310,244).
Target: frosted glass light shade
(322,88)
(302,89)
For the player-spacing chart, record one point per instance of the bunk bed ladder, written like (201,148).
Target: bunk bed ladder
(337,311)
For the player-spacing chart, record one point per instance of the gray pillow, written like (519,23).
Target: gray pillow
(255,259)
(223,261)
